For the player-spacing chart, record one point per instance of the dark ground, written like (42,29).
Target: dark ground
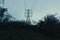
(11,31)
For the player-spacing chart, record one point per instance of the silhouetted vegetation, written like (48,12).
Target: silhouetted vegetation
(50,26)
(4,15)
(44,30)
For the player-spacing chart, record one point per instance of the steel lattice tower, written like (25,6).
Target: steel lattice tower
(28,15)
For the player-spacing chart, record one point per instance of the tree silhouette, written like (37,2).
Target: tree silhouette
(49,25)
(3,17)
(2,10)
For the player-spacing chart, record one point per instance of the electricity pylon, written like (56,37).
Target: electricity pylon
(28,15)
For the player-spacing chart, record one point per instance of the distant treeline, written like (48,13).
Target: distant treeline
(50,26)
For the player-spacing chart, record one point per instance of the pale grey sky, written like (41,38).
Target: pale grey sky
(40,8)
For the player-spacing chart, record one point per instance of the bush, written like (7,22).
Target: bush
(50,25)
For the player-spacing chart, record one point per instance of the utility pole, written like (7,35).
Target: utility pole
(3,2)
(28,15)
(2,10)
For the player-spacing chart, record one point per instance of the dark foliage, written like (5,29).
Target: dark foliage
(4,16)
(20,30)
(50,26)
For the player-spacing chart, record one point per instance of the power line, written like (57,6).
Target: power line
(28,12)
(32,5)
(25,4)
